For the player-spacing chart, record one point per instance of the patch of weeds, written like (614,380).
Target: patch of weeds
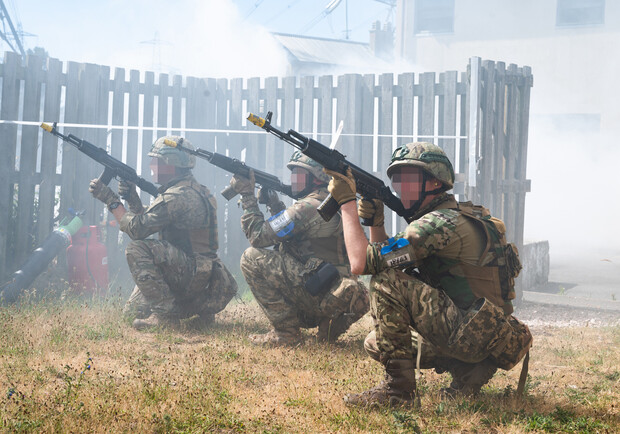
(440,409)
(230,355)
(406,420)
(155,392)
(565,352)
(563,420)
(58,335)
(74,383)
(582,396)
(355,418)
(613,376)
(290,402)
(470,406)
(101,333)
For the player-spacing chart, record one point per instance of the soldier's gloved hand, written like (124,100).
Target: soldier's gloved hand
(242,185)
(102,192)
(127,191)
(341,187)
(370,211)
(267,196)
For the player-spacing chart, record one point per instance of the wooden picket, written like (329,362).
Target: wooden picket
(127,112)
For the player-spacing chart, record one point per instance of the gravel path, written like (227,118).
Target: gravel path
(538,314)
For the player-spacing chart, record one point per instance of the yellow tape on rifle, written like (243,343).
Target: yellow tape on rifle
(47,127)
(170,143)
(256,120)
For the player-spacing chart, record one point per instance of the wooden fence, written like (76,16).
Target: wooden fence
(479,117)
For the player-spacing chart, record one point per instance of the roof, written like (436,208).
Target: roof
(326,51)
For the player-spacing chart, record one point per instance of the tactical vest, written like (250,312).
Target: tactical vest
(492,277)
(198,240)
(324,240)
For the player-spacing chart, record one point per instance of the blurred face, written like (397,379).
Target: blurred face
(161,172)
(407,183)
(300,179)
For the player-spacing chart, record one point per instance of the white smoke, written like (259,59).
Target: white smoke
(186,37)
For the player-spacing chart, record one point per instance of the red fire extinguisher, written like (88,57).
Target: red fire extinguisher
(87,260)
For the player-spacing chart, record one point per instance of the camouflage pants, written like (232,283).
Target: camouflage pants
(169,282)
(277,282)
(399,302)
(430,355)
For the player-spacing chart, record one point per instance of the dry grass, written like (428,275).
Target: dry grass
(76,367)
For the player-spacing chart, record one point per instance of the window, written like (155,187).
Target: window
(434,16)
(580,12)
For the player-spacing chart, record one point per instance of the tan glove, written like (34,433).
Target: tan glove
(341,187)
(371,210)
(243,186)
(127,191)
(102,192)
(270,198)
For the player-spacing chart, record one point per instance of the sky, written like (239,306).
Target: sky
(205,38)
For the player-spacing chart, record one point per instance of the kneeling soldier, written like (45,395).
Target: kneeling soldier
(179,275)
(305,280)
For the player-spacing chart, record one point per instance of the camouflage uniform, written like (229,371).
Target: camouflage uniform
(302,241)
(432,284)
(178,275)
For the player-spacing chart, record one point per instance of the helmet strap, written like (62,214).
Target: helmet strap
(411,212)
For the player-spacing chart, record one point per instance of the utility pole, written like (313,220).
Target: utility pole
(14,35)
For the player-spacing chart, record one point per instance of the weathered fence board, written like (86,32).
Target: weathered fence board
(375,111)
(49,150)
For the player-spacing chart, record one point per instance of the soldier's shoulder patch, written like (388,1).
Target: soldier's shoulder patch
(281,223)
(398,253)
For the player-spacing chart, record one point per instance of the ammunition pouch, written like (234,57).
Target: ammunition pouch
(486,331)
(319,276)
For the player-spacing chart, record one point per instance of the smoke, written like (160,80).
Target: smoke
(186,37)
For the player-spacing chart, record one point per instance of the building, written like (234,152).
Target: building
(309,55)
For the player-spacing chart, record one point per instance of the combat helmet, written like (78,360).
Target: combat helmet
(300,160)
(174,156)
(429,157)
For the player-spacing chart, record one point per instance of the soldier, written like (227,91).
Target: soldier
(449,277)
(305,280)
(179,275)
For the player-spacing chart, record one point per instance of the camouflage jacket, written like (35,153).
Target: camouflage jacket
(184,214)
(298,230)
(436,244)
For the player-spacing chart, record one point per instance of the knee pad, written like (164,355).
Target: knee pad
(483,331)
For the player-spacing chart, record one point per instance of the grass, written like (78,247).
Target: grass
(77,365)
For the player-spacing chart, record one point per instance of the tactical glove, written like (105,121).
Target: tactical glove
(102,192)
(341,187)
(371,210)
(243,186)
(127,191)
(268,197)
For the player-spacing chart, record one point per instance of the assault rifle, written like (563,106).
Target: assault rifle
(367,185)
(232,165)
(113,167)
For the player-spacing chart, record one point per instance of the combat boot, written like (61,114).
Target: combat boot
(396,390)
(154,320)
(278,337)
(468,378)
